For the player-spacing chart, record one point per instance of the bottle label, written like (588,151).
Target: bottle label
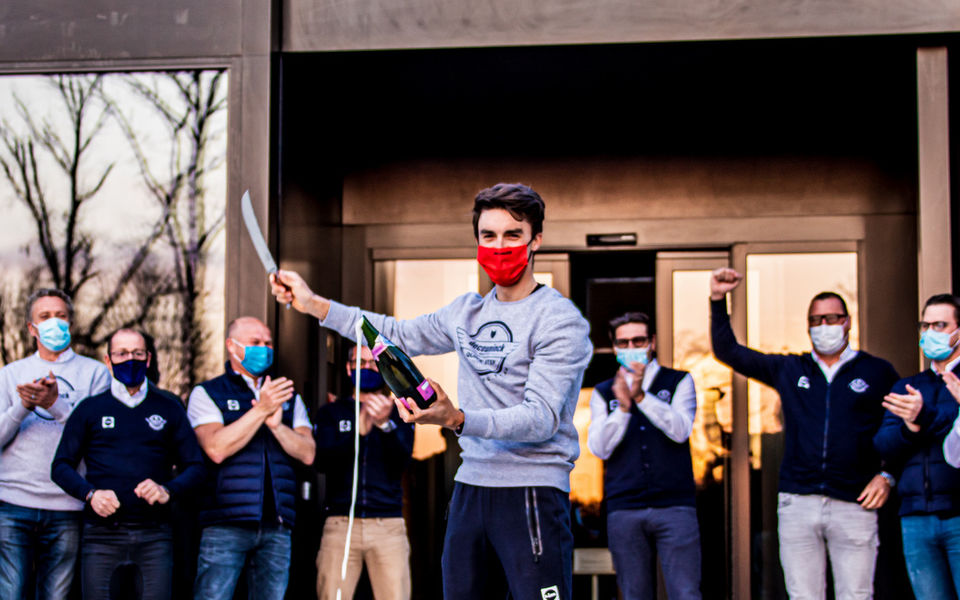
(425,390)
(378,347)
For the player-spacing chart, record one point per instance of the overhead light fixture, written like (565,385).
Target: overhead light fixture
(611,239)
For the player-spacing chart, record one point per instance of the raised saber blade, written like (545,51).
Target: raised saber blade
(256,236)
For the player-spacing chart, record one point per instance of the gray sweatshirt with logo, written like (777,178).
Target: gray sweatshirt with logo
(29,438)
(521,366)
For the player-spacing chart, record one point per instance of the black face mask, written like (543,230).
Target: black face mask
(370,380)
(130,373)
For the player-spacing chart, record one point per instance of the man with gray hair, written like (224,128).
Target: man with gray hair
(39,522)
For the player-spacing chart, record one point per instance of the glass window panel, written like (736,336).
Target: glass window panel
(779,289)
(104,200)
(448,279)
(544,278)
(692,352)
(586,479)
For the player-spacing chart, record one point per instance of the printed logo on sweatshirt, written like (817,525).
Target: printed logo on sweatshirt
(345,425)
(803,382)
(664,395)
(106,422)
(549,593)
(859,386)
(233,405)
(488,348)
(156,422)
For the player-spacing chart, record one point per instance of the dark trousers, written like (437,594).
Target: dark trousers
(638,537)
(508,539)
(126,562)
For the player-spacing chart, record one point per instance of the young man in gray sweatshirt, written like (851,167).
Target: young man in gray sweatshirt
(39,522)
(523,349)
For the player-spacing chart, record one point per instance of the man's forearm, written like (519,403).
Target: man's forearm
(317,306)
(675,418)
(605,434)
(230,439)
(10,421)
(298,444)
(60,409)
(69,479)
(951,445)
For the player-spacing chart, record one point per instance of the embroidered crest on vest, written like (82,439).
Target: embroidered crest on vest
(859,386)
(106,422)
(664,395)
(803,382)
(345,425)
(614,404)
(233,405)
(156,422)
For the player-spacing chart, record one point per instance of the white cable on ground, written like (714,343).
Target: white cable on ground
(356,461)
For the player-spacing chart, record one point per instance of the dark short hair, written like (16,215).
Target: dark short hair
(630,317)
(948,299)
(519,200)
(48,293)
(829,296)
(127,329)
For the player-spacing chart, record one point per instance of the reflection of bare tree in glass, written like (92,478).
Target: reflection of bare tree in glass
(15,341)
(189,116)
(65,246)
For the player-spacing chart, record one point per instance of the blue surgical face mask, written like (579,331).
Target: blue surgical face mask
(256,359)
(936,344)
(370,380)
(627,356)
(130,373)
(54,334)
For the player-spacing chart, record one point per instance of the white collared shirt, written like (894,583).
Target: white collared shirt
(949,367)
(674,419)
(201,409)
(120,392)
(830,372)
(951,443)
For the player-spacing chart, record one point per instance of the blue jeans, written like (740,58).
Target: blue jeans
(126,562)
(931,546)
(45,538)
(638,537)
(225,549)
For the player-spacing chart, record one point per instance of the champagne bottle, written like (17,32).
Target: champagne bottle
(401,375)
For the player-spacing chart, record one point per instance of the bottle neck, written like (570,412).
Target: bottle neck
(369,331)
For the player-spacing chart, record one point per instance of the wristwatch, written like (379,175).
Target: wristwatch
(388,426)
(891,480)
(89,496)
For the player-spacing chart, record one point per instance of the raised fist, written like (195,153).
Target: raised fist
(723,280)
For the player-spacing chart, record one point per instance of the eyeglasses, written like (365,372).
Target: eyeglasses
(122,355)
(935,325)
(829,319)
(638,342)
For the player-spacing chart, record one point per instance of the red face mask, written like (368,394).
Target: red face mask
(504,266)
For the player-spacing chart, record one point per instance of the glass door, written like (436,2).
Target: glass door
(779,285)
(683,342)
